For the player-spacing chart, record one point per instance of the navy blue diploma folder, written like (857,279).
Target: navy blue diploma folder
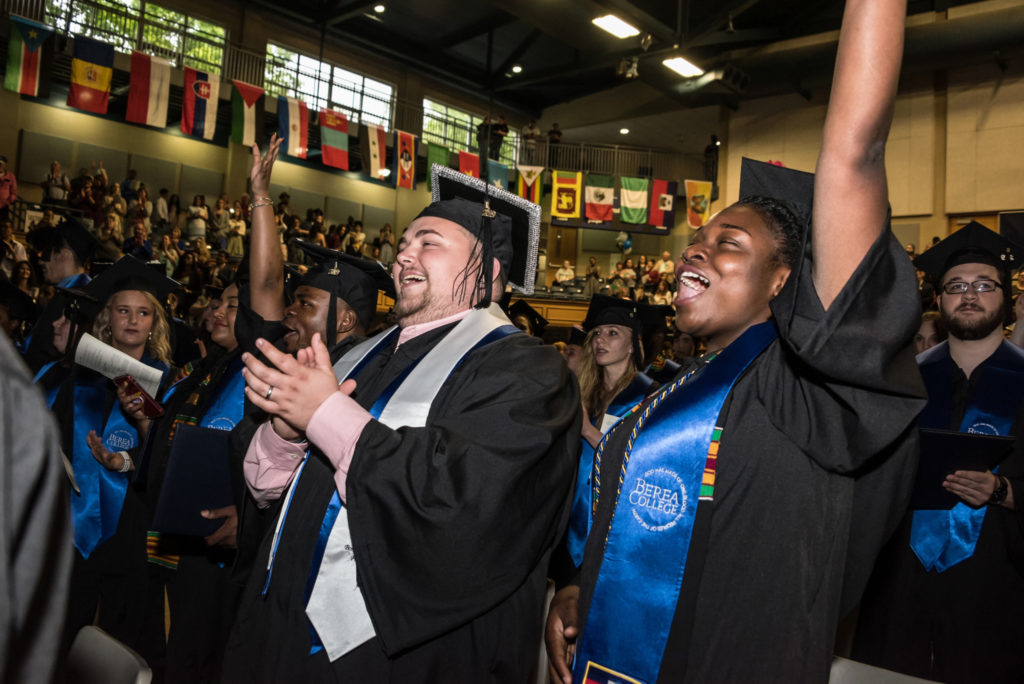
(198,478)
(943,452)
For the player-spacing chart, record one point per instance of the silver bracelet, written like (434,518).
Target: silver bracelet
(127,465)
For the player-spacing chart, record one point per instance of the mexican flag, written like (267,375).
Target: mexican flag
(600,197)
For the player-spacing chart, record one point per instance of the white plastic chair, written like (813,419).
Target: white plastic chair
(98,658)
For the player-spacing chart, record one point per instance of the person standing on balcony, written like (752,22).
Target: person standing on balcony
(498,133)
(530,134)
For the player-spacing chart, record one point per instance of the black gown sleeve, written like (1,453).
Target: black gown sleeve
(450,519)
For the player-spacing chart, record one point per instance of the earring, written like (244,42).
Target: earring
(150,336)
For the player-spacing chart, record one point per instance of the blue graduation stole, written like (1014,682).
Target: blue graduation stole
(579,518)
(940,539)
(96,508)
(641,573)
(228,405)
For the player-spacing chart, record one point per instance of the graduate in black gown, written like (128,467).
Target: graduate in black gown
(447,503)
(760,483)
(947,607)
(101,439)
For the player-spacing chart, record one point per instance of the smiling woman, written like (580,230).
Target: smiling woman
(808,378)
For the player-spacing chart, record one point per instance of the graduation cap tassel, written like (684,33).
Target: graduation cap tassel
(486,254)
(332,321)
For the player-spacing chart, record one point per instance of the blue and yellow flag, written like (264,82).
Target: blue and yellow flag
(92,69)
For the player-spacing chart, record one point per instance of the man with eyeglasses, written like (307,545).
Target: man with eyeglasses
(947,593)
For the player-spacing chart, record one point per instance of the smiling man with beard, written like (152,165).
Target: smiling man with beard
(948,591)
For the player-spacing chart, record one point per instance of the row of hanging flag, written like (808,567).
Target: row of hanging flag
(30,52)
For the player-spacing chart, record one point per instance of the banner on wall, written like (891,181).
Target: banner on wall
(436,154)
(29,58)
(663,202)
(698,202)
(200,97)
(149,90)
(469,164)
(633,200)
(528,185)
(566,188)
(374,149)
(600,197)
(497,174)
(246,113)
(293,126)
(92,70)
(405,160)
(334,138)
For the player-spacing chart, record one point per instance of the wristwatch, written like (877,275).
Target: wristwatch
(999,493)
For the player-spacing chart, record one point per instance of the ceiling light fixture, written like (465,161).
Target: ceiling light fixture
(379,9)
(516,69)
(624,131)
(683,67)
(615,26)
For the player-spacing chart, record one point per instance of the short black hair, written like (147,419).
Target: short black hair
(782,221)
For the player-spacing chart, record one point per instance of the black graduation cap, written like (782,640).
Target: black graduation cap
(605,310)
(654,317)
(795,188)
(129,273)
(352,279)
(577,336)
(68,232)
(19,305)
(522,308)
(507,225)
(972,244)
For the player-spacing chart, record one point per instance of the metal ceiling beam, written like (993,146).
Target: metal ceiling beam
(492,21)
(347,11)
(514,56)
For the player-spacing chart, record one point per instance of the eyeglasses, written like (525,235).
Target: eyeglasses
(960,287)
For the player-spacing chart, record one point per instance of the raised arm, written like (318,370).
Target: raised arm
(850,194)
(266,265)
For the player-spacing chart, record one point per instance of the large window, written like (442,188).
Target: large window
(456,129)
(140,25)
(320,85)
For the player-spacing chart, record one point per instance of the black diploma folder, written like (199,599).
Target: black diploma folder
(198,478)
(944,452)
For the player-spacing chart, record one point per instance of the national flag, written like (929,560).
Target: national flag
(528,183)
(334,138)
(149,90)
(600,197)
(698,202)
(246,113)
(497,174)
(436,154)
(663,203)
(633,200)
(566,188)
(200,97)
(405,160)
(293,125)
(469,164)
(374,150)
(92,69)
(29,58)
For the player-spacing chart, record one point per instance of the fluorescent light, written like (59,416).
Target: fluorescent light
(683,67)
(378,9)
(516,69)
(615,26)
(624,131)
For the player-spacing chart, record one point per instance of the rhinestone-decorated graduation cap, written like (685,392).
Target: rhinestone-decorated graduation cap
(507,225)
(352,279)
(128,273)
(605,310)
(972,244)
(522,308)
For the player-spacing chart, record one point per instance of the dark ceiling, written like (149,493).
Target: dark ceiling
(751,47)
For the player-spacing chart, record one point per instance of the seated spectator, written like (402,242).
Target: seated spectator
(138,245)
(13,251)
(565,275)
(111,238)
(931,332)
(85,201)
(356,240)
(8,188)
(25,278)
(662,295)
(168,255)
(114,202)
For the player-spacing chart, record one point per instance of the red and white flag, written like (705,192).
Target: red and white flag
(374,150)
(293,126)
(149,90)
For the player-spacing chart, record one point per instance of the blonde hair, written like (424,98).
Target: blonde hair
(159,343)
(596,398)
